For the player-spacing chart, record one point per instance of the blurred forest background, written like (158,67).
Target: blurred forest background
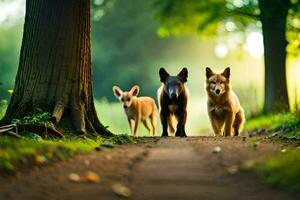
(129,45)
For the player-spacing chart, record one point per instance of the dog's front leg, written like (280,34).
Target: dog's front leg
(136,124)
(214,123)
(130,125)
(164,122)
(181,123)
(229,119)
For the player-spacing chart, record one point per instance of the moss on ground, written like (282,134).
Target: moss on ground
(288,124)
(282,171)
(273,122)
(16,154)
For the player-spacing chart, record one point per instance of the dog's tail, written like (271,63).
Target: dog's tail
(172,122)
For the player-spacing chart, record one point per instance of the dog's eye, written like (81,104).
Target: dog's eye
(214,82)
(122,99)
(128,99)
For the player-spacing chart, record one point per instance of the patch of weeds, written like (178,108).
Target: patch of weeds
(283,126)
(38,117)
(293,134)
(282,171)
(122,139)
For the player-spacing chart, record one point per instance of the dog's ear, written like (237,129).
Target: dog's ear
(209,72)
(163,74)
(117,91)
(226,72)
(135,90)
(183,74)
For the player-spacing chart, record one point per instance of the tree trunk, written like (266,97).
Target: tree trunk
(55,65)
(274,17)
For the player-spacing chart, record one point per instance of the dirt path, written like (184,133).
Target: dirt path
(156,168)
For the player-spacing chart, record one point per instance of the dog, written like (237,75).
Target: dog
(224,110)
(137,108)
(173,98)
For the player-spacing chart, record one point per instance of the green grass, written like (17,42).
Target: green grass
(273,122)
(282,171)
(16,154)
(31,149)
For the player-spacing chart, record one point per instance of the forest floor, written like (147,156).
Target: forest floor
(192,168)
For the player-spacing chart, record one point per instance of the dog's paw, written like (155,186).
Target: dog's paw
(180,134)
(164,135)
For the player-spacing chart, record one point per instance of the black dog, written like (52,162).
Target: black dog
(172,99)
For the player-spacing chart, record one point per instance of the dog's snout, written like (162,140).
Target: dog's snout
(173,96)
(124,106)
(172,93)
(218,91)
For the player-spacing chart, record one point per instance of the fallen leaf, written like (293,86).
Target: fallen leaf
(74,177)
(233,169)
(91,177)
(283,150)
(121,190)
(40,159)
(217,149)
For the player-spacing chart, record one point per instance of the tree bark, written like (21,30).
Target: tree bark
(274,18)
(54,72)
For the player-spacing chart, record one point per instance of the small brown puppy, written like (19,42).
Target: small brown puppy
(137,108)
(173,98)
(223,106)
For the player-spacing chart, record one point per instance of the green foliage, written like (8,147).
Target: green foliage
(283,171)
(273,121)
(38,117)
(179,17)
(211,17)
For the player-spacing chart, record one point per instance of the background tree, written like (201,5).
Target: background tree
(54,71)
(273,16)
(182,17)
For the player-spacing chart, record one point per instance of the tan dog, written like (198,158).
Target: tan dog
(137,108)
(224,109)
